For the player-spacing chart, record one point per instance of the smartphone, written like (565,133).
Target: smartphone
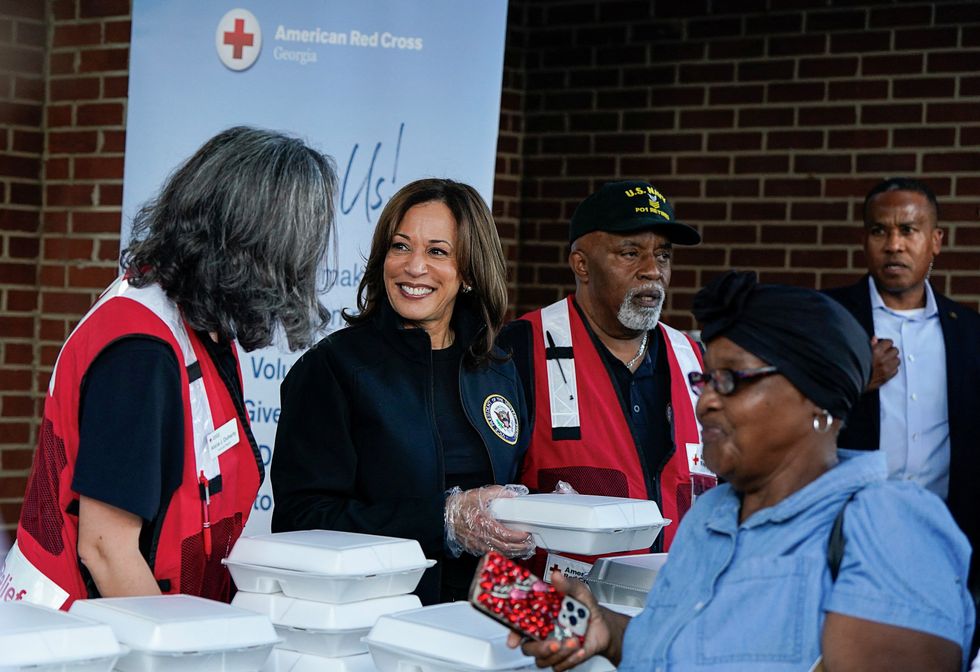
(512,595)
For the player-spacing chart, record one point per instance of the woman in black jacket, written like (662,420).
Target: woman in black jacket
(395,424)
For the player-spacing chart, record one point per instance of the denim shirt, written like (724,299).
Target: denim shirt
(753,596)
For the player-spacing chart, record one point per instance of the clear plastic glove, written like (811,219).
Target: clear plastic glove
(471,527)
(564,488)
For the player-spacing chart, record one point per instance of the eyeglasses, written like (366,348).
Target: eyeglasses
(725,381)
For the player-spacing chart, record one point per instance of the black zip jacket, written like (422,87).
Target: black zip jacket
(357,447)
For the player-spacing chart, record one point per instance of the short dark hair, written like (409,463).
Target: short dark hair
(479,257)
(238,237)
(901,184)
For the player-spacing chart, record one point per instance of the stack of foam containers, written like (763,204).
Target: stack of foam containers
(323,591)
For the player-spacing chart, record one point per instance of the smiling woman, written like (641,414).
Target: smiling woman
(750,584)
(386,426)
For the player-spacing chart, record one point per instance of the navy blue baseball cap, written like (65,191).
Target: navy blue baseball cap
(626,207)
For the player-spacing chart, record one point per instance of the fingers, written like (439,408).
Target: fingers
(558,655)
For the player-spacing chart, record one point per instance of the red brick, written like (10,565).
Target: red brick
(707,118)
(837,115)
(665,74)
(16,354)
(757,257)
(761,164)
(702,212)
(100,114)
(819,210)
(714,27)
(818,258)
(891,114)
(849,186)
(762,71)
(969,135)
(857,89)
(796,45)
(834,21)
(644,166)
(732,187)
(674,142)
(99,8)
(16,327)
(736,95)
(968,235)
(725,142)
(886,164)
(617,99)
(793,234)
(863,42)
(924,87)
(728,233)
(857,139)
(25,194)
(56,169)
(891,17)
(937,113)
(113,142)
(966,285)
(98,168)
(67,248)
(26,167)
(822,163)
(648,120)
(703,255)
(76,34)
(796,278)
(593,121)
(64,195)
(791,187)
(736,49)
(21,301)
(794,140)
(629,143)
(923,137)
(16,59)
(849,234)
(566,144)
(965,12)
(65,302)
(754,211)
(15,432)
(19,247)
(904,65)
(820,68)
(967,186)
(926,38)
(771,24)
(109,250)
(74,88)
(115,87)
(59,115)
(20,114)
(959,260)
(62,63)
(117,31)
(614,56)
(765,117)
(702,165)
(951,162)
(789,92)
(674,188)
(693,73)
(13,486)
(954,61)
(102,60)
(29,89)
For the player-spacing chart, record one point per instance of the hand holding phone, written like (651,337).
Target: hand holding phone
(512,595)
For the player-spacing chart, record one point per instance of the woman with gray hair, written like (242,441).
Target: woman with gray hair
(395,424)
(146,468)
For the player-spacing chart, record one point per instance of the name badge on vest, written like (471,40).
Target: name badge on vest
(223,438)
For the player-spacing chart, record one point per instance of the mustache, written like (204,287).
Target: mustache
(655,288)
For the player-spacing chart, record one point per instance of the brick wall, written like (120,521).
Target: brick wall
(22,41)
(763,120)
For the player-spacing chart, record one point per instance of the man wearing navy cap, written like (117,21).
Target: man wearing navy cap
(607,381)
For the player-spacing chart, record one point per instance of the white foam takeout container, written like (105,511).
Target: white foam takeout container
(319,628)
(443,638)
(584,524)
(40,639)
(182,633)
(327,566)
(626,579)
(282,660)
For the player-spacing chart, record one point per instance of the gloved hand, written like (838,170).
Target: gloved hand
(471,527)
(564,488)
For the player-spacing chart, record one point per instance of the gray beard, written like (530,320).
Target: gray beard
(639,318)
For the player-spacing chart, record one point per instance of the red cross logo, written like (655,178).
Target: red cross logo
(236,30)
(238,38)
(696,459)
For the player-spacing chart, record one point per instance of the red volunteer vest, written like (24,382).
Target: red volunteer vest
(581,434)
(43,566)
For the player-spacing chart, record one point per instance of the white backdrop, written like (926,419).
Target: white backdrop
(394,90)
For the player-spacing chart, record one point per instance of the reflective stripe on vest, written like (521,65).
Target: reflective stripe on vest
(565,421)
(21,580)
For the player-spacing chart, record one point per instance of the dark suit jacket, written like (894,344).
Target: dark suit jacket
(961,334)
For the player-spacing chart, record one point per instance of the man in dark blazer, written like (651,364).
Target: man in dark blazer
(929,430)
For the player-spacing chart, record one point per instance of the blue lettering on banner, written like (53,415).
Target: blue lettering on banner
(369,187)
(259,412)
(266,453)
(262,503)
(269,369)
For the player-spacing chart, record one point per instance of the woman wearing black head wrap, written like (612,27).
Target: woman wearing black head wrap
(754,581)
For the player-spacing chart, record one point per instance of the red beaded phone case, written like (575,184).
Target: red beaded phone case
(512,595)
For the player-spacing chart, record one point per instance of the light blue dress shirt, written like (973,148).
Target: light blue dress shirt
(914,413)
(753,596)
